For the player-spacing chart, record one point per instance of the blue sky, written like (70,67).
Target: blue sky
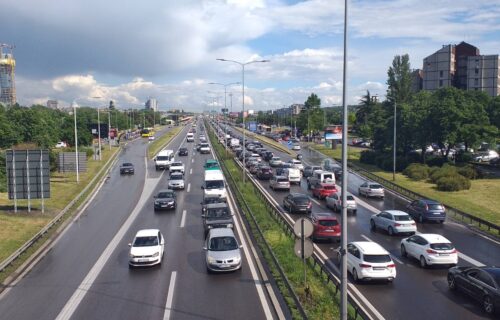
(127,51)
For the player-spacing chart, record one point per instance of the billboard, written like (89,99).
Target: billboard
(234,114)
(252,126)
(95,130)
(28,174)
(333,133)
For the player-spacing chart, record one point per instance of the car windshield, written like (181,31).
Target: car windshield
(375,186)
(402,218)
(183,149)
(127,165)
(176,177)
(350,198)
(328,223)
(434,207)
(327,177)
(223,244)
(176,164)
(377,258)
(441,246)
(204,145)
(214,184)
(163,195)
(218,213)
(145,241)
(162,158)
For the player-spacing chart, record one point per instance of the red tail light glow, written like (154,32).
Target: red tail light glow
(391,265)
(397,224)
(431,251)
(364,265)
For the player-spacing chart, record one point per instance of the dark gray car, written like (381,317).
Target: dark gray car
(426,210)
(217,215)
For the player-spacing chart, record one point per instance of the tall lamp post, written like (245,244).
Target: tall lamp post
(77,160)
(225,85)
(243,98)
(394,147)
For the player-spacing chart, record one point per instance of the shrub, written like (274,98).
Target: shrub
(444,171)
(453,183)
(368,156)
(417,171)
(468,171)
(464,157)
(435,161)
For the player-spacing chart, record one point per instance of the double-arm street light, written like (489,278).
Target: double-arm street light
(225,85)
(243,64)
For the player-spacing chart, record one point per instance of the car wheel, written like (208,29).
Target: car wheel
(403,251)
(372,225)
(390,230)
(355,275)
(335,209)
(209,271)
(421,218)
(488,306)
(423,263)
(452,285)
(441,221)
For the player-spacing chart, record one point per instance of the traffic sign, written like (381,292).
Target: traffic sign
(308,228)
(308,248)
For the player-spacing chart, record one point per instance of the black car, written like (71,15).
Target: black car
(426,210)
(480,283)
(297,202)
(210,199)
(217,215)
(165,200)
(268,155)
(127,168)
(264,173)
(183,151)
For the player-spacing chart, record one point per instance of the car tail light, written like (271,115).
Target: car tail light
(392,265)
(431,251)
(454,251)
(309,205)
(413,223)
(364,265)
(397,224)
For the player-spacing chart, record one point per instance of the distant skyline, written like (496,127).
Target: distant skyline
(127,51)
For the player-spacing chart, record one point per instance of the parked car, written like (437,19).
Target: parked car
(264,173)
(183,151)
(308,170)
(367,260)
(394,222)
(326,226)
(61,144)
(147,248)
(486,156)
(127,168)
(165,200)
(176,181)
(297,202)
(279,183)
(427,210)
(217,215)
(275,162)
(334,201)
(480,283)
(429,249)
(222,251)
(323,190)
(371,189)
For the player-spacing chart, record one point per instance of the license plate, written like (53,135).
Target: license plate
(444,254)
(223,266)
(142,260)
(378,268)
(438,213)
(328,230)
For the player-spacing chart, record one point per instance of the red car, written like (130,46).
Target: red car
(326,226)
(323,190)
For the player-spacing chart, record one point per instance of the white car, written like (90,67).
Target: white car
(371,189)
(204,148)
(176,181)
(151,138)
(296,147)
(486,156)
(177,166)
(429,249)
(61,144)
(297,164)
(334,201)
(367,260)
(275,162)
(394,222)
(147,249)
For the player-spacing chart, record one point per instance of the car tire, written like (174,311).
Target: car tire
(403,251)
(355,275)
(335,209)
(373,227)
(488,306)
(423,263)
(209,271)
(421,219)
(390,231)
(452,285)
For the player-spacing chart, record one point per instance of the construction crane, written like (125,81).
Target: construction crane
(7,75)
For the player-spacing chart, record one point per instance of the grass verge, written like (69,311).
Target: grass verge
(321,302)
(162,141)
(481,200)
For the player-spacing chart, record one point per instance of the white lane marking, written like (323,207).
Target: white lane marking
(470,260)
(316,201)
(192,160)
(189,187)
(183,219)
(191,171)
(392,256)
(170,295)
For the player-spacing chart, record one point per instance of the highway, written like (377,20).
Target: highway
(86,275)
(416,293)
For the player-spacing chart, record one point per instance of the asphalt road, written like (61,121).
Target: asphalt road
(416,293)
(86,274)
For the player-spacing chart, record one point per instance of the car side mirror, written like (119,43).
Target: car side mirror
(203,215)
(162,242)
(241,246)
(129,244)
(203,187)
(205,248)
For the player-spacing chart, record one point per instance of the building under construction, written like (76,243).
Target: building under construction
(7,72)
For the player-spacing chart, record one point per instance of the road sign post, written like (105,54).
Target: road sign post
(303,229)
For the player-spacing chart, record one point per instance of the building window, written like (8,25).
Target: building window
(476,82)
(441,73)
(440,83)
(476,71)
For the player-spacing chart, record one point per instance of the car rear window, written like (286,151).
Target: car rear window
(350,198)
(301,200)
(329,187)
(441,246)
(327,177)
(375,186)
(328,223)
(282,180)
(377,258)
(402,218)
(435,207)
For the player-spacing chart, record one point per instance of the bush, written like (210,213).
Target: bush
(417,171)
(464,157)
(453,183)
(368,156)
(433,161)
(444,171)
(468,171)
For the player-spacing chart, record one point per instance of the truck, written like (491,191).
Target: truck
(164,159)
(190,137)
(233,143)
(214,184)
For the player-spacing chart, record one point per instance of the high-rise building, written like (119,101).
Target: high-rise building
(152,104)
(52,104)
(460,66)
(7,73)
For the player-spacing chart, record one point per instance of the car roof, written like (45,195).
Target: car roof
(217,205)
(299,195)
(396,212)
(370,247)
(324,216)
(221,232)
(429,201)
(147,233)
(434,238)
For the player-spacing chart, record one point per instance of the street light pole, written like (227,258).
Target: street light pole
(76,145)
(99,131)
(109,129)
(225,85)
(394,147)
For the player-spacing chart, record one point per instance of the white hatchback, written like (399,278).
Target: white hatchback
(429,249)
(394,222)
(367,260)
(147,248)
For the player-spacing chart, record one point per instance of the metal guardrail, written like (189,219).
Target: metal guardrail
(7,262)
(411,195)
(288,227)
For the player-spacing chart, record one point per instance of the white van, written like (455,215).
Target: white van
(293,175)
(164,159)
(190,137)
(214,184)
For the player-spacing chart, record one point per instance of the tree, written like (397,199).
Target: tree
(399,80)
(312,102)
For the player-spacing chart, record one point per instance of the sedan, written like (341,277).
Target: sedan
(296,147)
(165,200)
(183,151)
(297,202)
(480,283)
(334,201)
(430,249)
(323,190)
(147,249)
(275,162)
(308,170)
(371,189)
(222,251)
(394,222)
(176,181)
(127,168)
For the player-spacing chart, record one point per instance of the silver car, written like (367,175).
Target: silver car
(279,183)
(275,162)
(222,251)
(371,189)
(176,181)
(334,201)
(394,222)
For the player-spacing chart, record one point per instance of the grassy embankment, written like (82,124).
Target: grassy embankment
(319,304)
(481,200)
(162,141)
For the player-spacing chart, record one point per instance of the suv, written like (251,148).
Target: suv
(326,226)
(297,202)
(425,209)
(165,200)
(217,215)
(367,260)
(308,170)
(127,167)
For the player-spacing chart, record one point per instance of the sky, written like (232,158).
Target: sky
(95,51)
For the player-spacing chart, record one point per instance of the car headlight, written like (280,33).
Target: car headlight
(131,256)
(211,260)
(171,202)
(210,227)
(156,254)
(230,225)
